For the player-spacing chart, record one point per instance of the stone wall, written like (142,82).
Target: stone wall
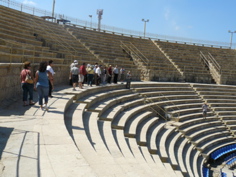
(10,87)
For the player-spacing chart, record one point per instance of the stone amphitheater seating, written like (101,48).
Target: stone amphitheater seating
(153,128)
(52,41)
(181,147)
(135,139)
(67,43)
(186,57)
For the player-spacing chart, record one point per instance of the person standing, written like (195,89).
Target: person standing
(116,73)
(109,74)
(128,79)
(42,85)
(49,68)
(98,73)
(122,75)
(102,74)
(28,88)
(105,75)
(72,64)
(90,74)
(204,110)
(82,73)
(74,74)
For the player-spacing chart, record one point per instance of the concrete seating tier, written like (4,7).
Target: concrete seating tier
(106,104)
(115,110)
(129,158)
(222,104)
(131,127)
(21,51)
(179,54)
(200,125)
(143,128)
(154,55)
(116,127)
(192,136)
(107,47)
(17,58)
(98,98)
(60,42)
(19,39)
(93,39)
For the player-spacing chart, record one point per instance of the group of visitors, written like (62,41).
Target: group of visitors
(42,82)
(96,74)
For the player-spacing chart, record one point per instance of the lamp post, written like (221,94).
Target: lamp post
(99,13)
(231,37)
(53,8)
(145,21)
(91,20)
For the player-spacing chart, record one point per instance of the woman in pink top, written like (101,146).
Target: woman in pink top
(28,89)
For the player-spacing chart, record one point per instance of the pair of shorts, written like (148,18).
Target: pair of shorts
(75,78)
(81,78)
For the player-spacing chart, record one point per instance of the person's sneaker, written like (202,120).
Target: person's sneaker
(46,108)
(73,89)
(42,108)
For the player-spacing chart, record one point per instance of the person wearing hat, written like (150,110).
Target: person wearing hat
(90,74)
(71,66)
(74,74)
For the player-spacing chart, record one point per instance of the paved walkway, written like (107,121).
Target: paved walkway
(36,143)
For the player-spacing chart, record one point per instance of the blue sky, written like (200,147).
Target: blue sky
(197,19)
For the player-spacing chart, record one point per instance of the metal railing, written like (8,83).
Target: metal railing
(213,66)
(132,50)
(166,117)
(171,61)
(111,29)
(148,101)
(215,63)
(204,59)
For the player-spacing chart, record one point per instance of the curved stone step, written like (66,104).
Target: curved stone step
(131,126)
(142,136)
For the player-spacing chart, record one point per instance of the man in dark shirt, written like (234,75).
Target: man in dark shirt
(109,74)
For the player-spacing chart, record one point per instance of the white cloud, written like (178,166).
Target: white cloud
(168,17)
(28,2)
(175,26)
(167,13)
